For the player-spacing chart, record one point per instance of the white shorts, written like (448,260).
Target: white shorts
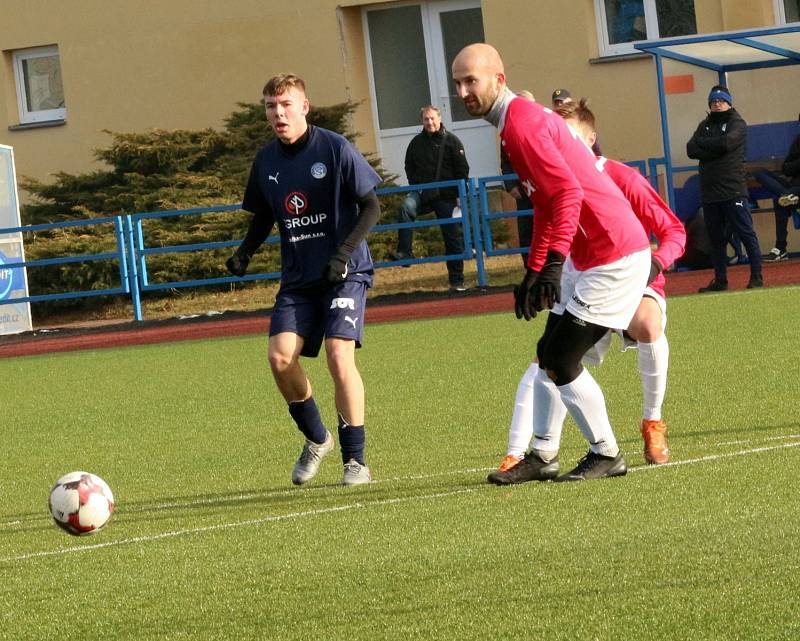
(607,295)
(598,351)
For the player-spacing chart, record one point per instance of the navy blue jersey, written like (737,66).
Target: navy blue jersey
(312,196)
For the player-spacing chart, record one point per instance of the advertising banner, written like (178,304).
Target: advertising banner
(14,317)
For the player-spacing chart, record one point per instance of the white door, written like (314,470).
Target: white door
(410,48)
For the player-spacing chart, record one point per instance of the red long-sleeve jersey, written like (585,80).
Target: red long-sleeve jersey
(579,209)
(654,214)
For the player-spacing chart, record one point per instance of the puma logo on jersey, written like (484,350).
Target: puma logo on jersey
(351,320)
(275,177)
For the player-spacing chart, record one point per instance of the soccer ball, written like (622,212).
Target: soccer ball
(81,503)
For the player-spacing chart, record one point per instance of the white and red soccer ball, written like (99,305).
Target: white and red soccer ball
(81,503)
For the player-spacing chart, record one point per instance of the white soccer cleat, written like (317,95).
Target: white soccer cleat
(307,465)
(355,473)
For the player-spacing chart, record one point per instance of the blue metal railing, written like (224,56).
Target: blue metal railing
(132,249)
(119,255)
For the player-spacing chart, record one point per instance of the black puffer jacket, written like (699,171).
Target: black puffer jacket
(719,144)
(423,153)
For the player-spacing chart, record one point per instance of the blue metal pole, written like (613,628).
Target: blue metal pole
(662,105)
(133,278)
(476,233)
(142,266)
(466,225)
(119,230)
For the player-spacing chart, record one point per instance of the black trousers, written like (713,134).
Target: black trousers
(736,213)
(451,234)
(778,187)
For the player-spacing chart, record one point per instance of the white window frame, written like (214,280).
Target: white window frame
(42,115)
(780,12)
(606,49)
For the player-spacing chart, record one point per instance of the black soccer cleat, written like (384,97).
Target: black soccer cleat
(530,468)
(596,466)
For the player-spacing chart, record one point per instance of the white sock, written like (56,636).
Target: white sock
(584,399)
(521,430)
(549,413)
(653,365)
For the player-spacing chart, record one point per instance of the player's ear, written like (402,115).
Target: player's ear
(306,106)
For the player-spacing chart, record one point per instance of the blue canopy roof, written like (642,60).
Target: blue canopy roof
(721,52)
(732,50)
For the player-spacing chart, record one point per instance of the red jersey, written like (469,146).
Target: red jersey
(654,214)
(579,209)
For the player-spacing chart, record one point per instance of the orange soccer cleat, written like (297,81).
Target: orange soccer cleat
(656,450)
(509,461)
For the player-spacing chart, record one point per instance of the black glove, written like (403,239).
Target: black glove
(655,270)
(237,264)
(336,269)
(546,291)
(522,296)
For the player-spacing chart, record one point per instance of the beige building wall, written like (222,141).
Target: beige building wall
(184,64)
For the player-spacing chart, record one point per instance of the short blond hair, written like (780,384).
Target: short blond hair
(281,83)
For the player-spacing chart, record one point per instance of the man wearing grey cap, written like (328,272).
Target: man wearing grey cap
(719,144)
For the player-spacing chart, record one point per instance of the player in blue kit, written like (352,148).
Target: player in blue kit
(320,191)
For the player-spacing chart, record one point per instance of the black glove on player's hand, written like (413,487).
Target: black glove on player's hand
(522,296)
(336,270)
(237,264)
(655,270)
(546,291)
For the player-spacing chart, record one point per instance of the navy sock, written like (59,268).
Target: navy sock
(352,440)
(306,415)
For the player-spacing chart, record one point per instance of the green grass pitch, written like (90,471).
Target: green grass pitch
(211,542)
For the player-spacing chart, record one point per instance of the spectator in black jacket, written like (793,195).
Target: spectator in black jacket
(786,191)
(434,154)
(719,145)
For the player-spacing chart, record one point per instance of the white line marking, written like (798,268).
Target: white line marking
(358,505)
(714,457)
(237,524)
(768,438)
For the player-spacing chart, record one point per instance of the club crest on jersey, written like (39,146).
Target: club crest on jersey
(295,203)
(319,170)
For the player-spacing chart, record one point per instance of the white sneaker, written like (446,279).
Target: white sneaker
(355,473)
(788,200)
(307,465)
(775,255)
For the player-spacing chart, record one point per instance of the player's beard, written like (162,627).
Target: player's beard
(480,105)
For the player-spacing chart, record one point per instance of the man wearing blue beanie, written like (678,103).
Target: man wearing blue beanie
(719,144)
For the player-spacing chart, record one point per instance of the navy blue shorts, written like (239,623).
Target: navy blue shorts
(331,312)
